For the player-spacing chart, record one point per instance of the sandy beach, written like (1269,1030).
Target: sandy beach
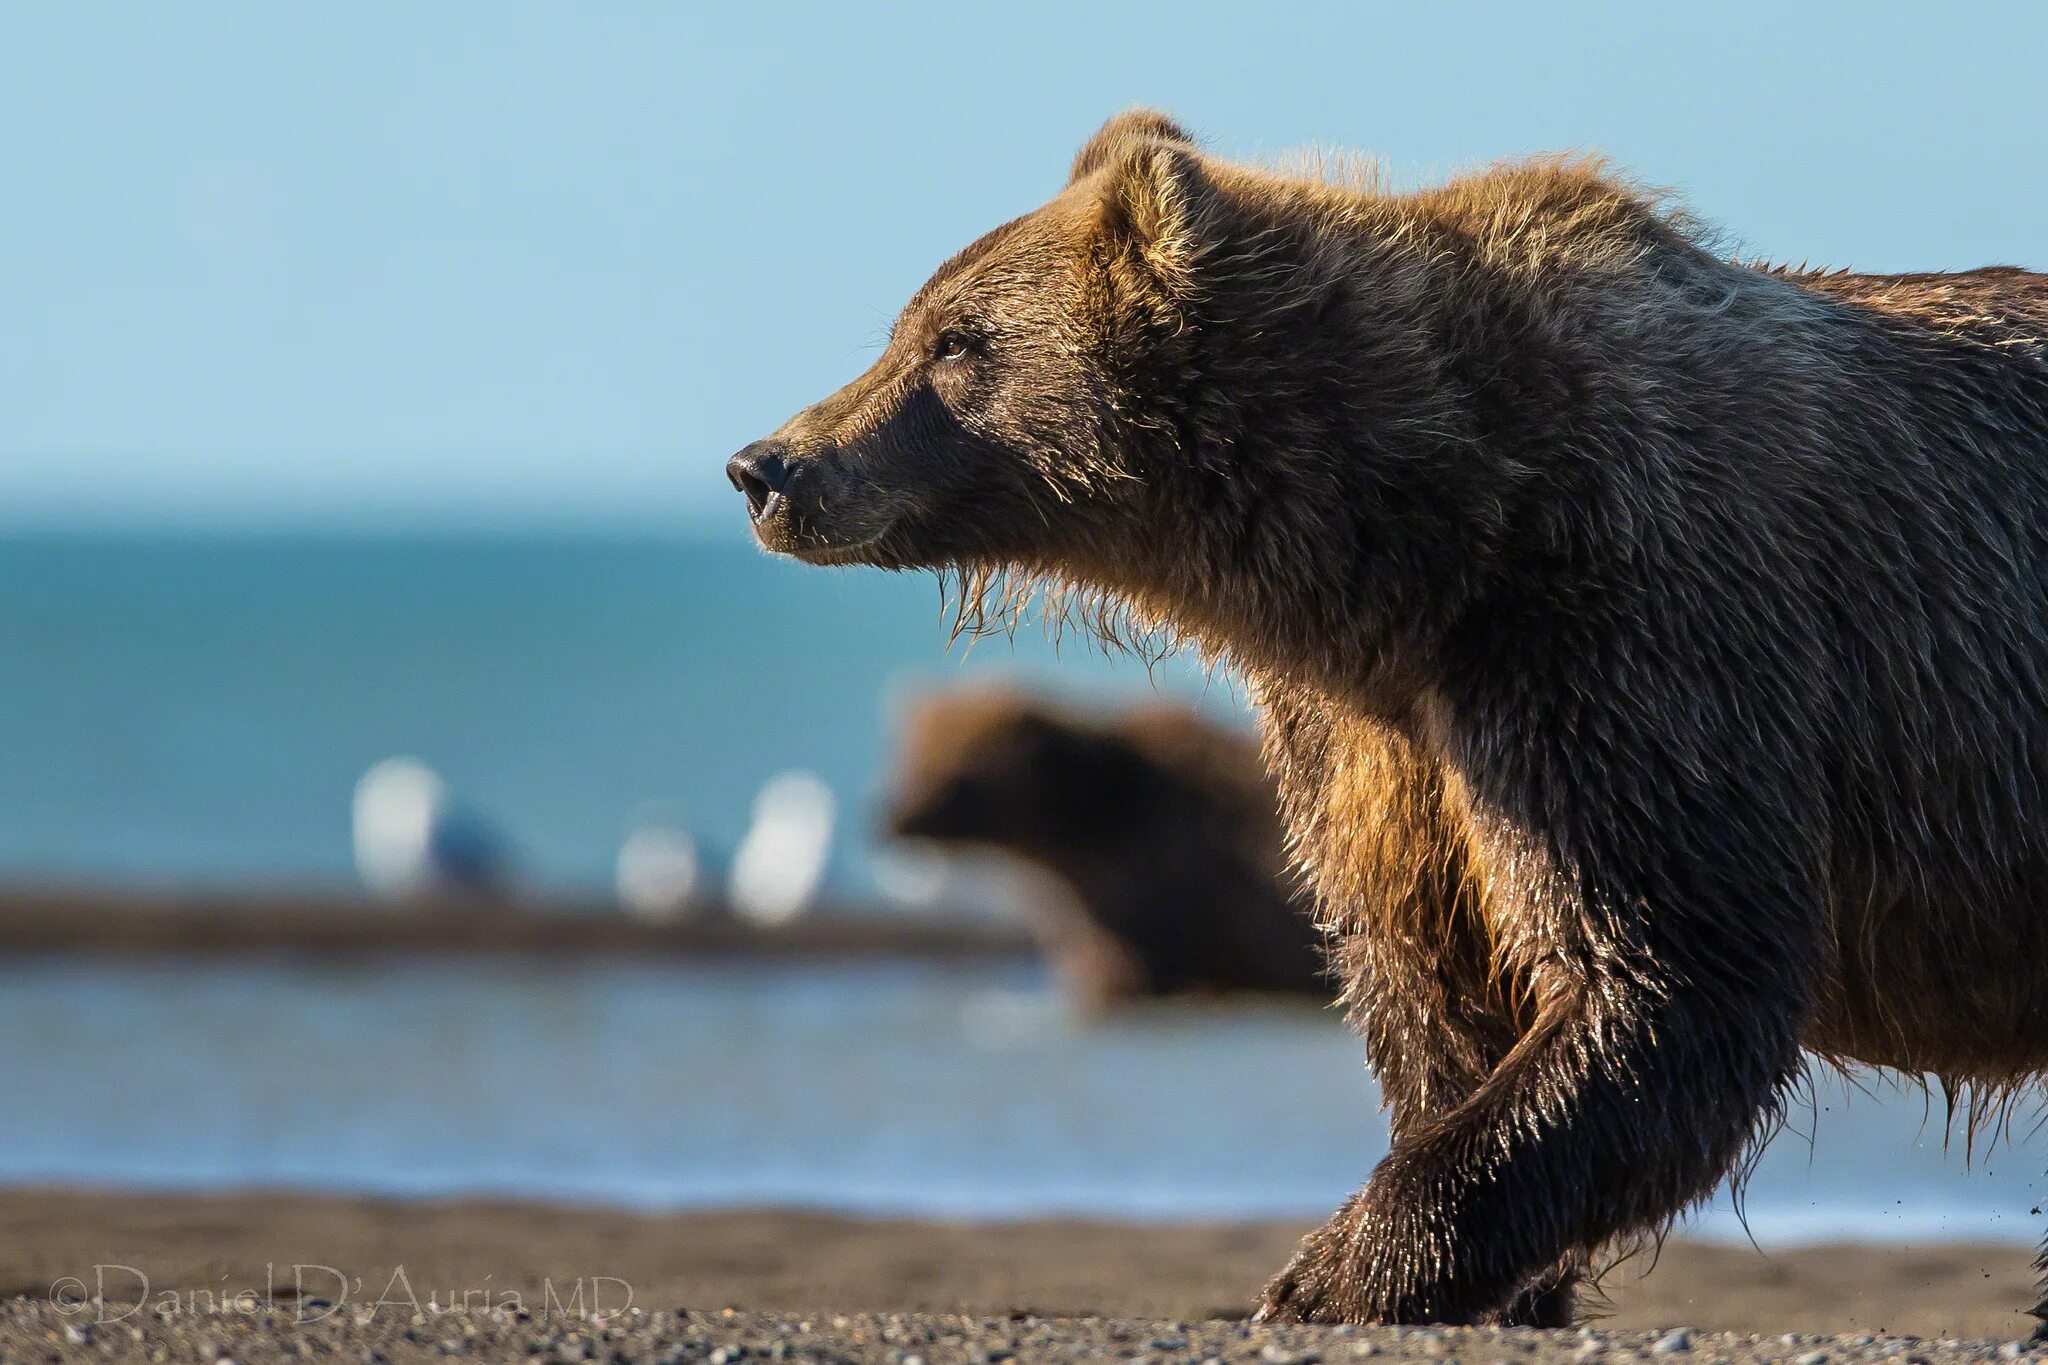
(33,1330)
(219,1272)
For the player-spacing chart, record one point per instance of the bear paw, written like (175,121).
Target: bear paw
(1322,1284)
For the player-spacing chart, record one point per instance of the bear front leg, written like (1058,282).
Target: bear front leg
(1435,1043)
(1628,1100)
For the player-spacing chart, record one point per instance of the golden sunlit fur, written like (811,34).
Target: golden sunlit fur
(1652,648)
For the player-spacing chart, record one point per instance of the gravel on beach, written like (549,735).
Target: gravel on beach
(276,1276)
(32,1329)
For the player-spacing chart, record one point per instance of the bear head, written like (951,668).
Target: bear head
(995,427)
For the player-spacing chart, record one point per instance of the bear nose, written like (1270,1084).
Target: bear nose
(761,472)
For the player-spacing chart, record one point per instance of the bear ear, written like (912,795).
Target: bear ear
(1122,131)
(1157,205)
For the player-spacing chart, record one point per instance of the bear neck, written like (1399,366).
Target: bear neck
(1354,452)
(1341,476)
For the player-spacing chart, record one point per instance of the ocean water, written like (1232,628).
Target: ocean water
(179,709)
(188,711)
(961,1092)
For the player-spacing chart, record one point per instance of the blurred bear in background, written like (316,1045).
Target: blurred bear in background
(1163,824)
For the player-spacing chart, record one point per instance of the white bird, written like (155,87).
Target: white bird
(781,862)
(657,872)
(413,843)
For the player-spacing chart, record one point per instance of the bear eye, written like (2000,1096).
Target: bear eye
(953,345)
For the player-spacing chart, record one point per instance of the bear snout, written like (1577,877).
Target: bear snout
(803,502)
(761,471)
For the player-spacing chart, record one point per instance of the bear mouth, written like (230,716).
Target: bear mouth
(827,555)
(782,529)
(837,528)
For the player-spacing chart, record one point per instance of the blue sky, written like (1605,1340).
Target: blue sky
(465,262)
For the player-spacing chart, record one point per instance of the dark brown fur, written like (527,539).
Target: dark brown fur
(1652,648)
(1161,824)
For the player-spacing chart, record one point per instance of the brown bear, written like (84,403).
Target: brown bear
(1652,648)
(1160,823)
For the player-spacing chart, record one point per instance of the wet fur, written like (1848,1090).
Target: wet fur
(1652,648)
